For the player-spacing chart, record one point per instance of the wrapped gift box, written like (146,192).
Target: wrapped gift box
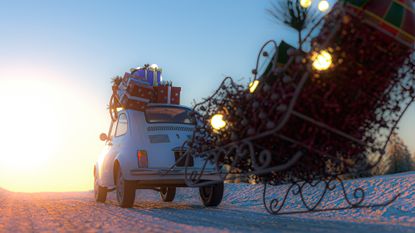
(395,18)
(167,94)
(149,74)
(139,88)
(135,103)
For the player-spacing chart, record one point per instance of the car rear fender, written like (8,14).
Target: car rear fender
(126,164)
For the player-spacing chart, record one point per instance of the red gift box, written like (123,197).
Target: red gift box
(136,103)
(167,94)
(138,90)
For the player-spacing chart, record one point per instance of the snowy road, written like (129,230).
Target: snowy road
(241,211)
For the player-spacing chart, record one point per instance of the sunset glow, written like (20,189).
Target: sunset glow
(30,121)
(44,122)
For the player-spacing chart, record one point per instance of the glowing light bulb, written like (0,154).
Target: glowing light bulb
(322,60)
(217,122)
(305,3)
(323,5)
(253,85)
(119,109)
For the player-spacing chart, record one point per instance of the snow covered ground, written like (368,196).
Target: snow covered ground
(241,211)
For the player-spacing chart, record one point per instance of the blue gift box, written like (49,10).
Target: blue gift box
(151,75)
(137,81)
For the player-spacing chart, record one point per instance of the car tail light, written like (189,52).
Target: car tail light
(142,158)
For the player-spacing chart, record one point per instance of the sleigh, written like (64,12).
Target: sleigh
(302,127)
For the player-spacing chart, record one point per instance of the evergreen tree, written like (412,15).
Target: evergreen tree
(292,14)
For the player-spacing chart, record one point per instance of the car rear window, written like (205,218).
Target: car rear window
(167,114)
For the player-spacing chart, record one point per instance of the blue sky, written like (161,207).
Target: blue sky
(197,43)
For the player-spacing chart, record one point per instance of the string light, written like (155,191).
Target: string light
(306,3)
(217,122)
(323,5)
(322,60)
(253,85)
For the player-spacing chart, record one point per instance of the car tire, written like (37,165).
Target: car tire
(125,191)
(100,193)
(212,195)
(167,194)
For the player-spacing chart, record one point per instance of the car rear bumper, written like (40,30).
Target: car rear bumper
(167,177)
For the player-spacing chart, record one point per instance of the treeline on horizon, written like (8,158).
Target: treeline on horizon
(397,158)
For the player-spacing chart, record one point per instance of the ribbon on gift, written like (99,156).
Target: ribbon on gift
(135,98)
(155,78)
(155,69)
(169,95)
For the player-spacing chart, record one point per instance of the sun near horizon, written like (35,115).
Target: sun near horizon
(49,131)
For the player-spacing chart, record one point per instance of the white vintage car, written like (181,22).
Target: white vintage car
(140,149)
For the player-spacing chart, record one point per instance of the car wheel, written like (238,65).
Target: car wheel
(100,192)
(211,195)
(167,194)
(125,191)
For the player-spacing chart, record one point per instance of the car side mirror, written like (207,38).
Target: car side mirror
(103,137)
